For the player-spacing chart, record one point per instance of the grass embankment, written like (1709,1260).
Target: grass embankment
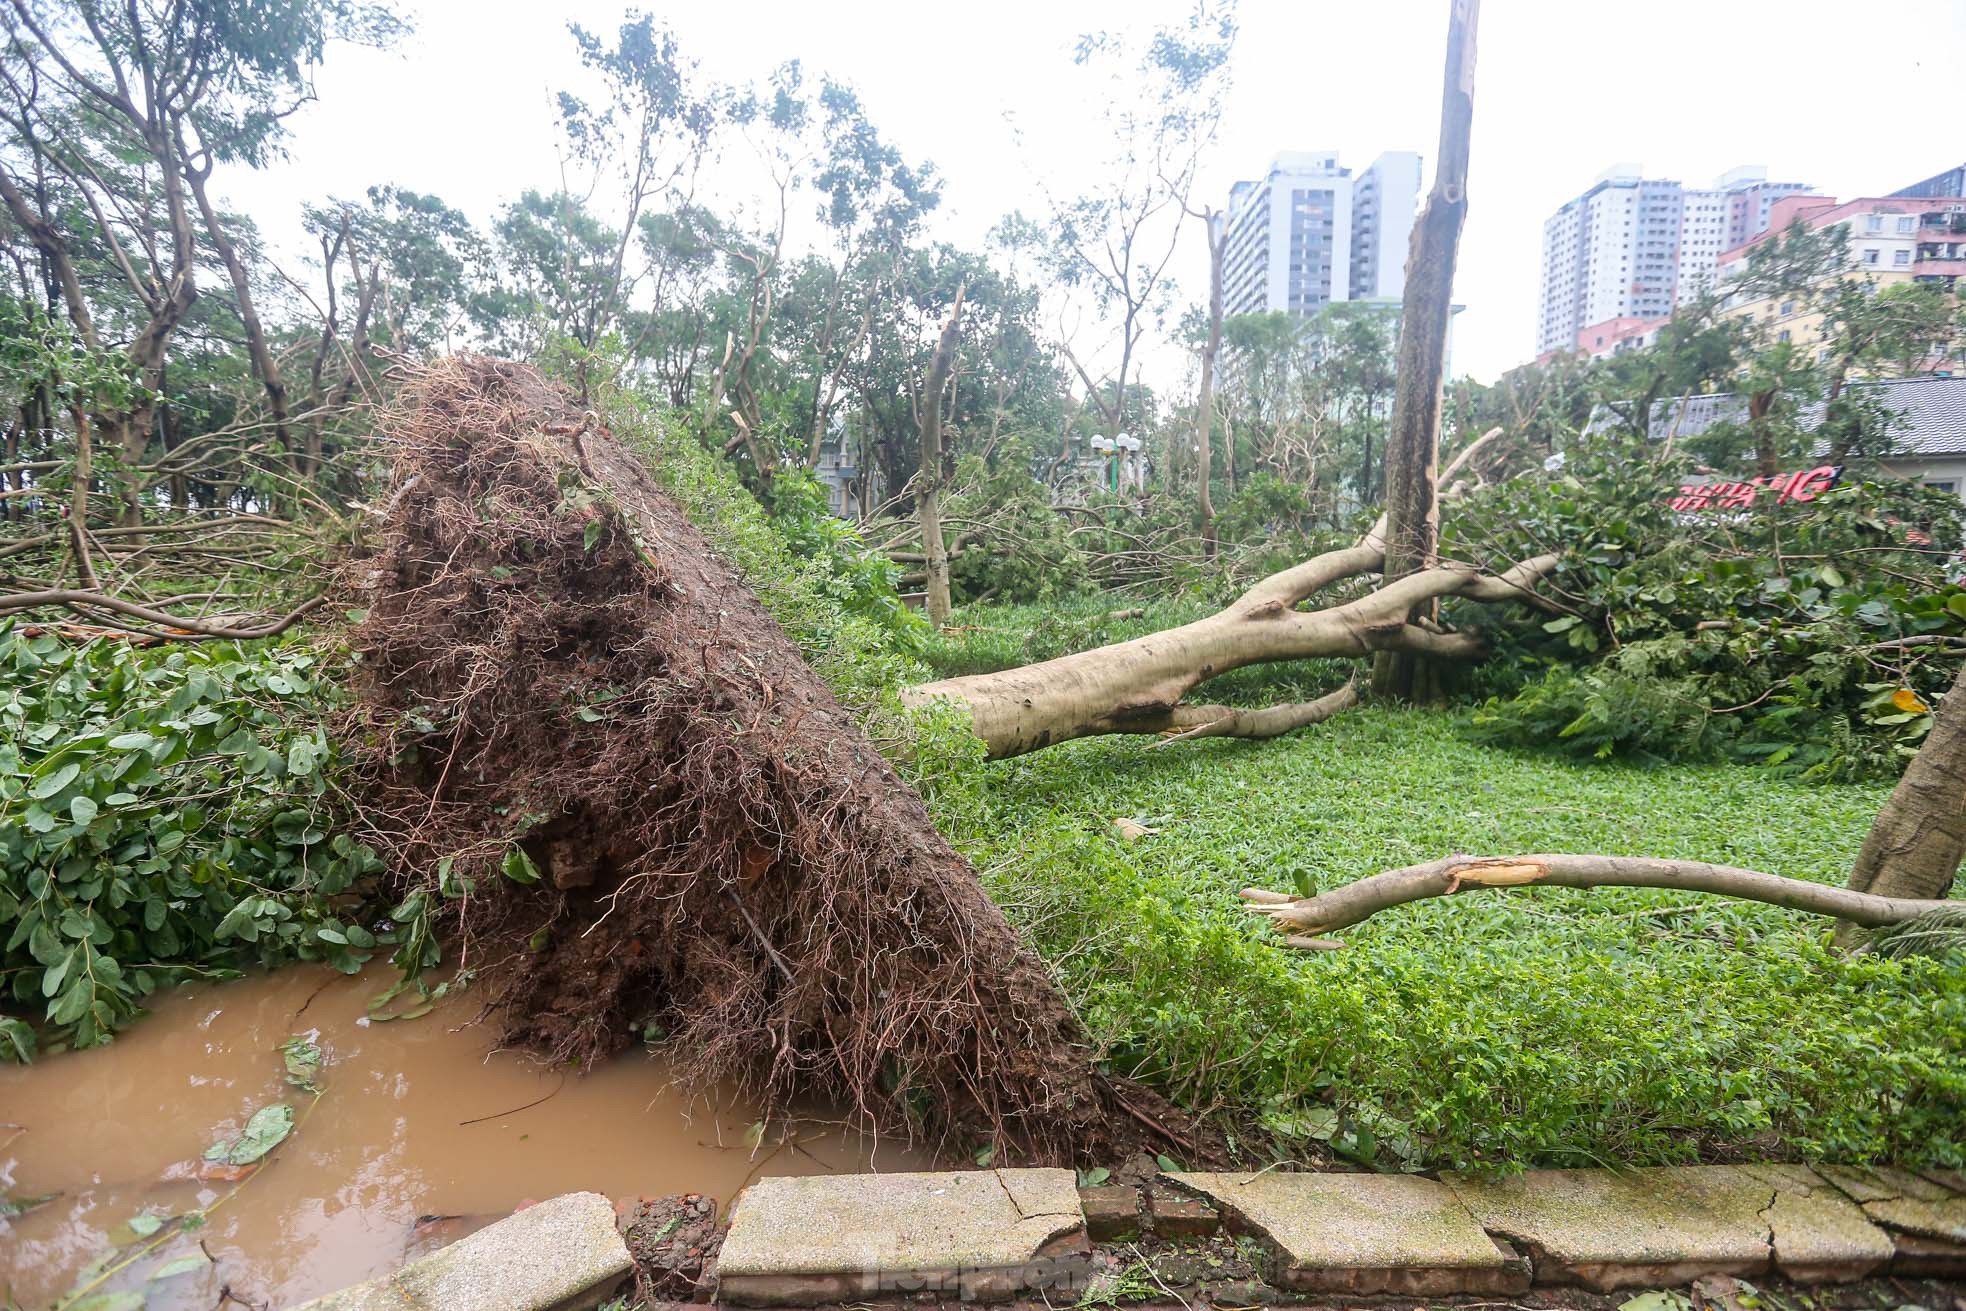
(1547,1028)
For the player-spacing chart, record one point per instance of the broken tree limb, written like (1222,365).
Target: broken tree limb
(88,602)
(1270,721)
(1344,906)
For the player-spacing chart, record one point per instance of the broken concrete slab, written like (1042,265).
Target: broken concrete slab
(1817,1235)
(1607,1230)
(1944,1219)
(1920,1205)
(1882,1183)
(978,1234)
(563,1254)
(1362,1233)
(1919,1257)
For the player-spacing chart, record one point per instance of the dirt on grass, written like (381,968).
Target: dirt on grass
(558,676)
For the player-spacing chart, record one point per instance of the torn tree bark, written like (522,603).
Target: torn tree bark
(1137,686)
(1341,907)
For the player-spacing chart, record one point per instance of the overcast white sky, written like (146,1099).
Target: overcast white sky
(1853,100)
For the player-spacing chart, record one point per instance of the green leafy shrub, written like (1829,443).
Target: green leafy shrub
(162,814)
(863,582)
(1029,553)
(1798,635)
(1603,712)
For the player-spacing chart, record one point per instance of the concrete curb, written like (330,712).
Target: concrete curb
(993,1235)
(562,1254)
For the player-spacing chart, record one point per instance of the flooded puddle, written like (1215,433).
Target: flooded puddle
(414,1120)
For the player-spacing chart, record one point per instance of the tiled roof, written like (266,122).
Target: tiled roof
(1931,411)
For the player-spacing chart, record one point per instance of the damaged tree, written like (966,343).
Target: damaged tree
(1138,686)
(642,813)
(928,485)
(1413,440)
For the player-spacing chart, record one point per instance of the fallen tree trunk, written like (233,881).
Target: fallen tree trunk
(1344,906)
(1137,686)
(582,739)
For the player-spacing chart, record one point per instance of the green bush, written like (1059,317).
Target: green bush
(163,814)
(862,582)
(1774,634)
(1028,555)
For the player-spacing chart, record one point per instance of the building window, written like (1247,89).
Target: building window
(1783,335)
(1900,258)
(1906,223)
(1788,307)
(1873,223)
(1943,485)
(1870,255)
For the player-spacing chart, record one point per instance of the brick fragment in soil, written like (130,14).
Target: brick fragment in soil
(1176,1215)
(1111,1212)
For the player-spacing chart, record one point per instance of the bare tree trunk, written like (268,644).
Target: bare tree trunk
(1412,457)
(78,501)
(1760,404)
(1917,841)
(928,494)
(264,362)
(1229,457)
(1205,404)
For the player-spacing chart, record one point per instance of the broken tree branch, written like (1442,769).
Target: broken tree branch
(1270,721)
(87,603)
(1344,906)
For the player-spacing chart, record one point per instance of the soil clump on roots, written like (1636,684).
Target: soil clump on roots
(555,662)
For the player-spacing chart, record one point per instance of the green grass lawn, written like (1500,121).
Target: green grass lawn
(1553,1027)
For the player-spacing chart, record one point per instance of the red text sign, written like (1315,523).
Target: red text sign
(1805,485)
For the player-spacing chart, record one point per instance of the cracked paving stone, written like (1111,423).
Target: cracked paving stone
(1362,1233)
(1920,1205)
(979,1234)
(1650,1227)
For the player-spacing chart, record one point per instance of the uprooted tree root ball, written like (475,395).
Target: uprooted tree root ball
(554,662)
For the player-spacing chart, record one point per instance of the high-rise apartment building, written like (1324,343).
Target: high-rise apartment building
(1309,233)
(1634,248)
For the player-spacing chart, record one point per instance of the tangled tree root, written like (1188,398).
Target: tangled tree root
(554,662)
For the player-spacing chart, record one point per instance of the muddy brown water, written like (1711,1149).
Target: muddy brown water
(415,1120)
